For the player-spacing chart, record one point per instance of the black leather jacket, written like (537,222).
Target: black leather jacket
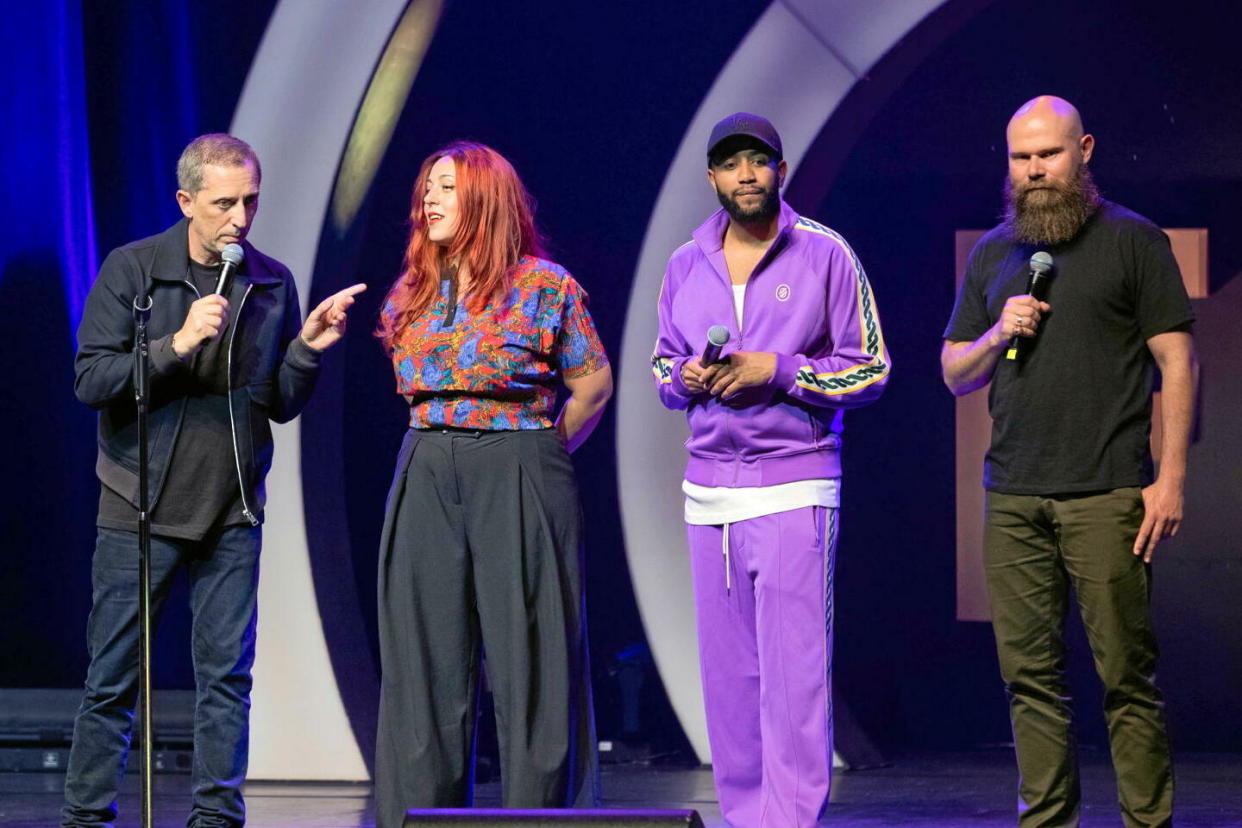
(271,371)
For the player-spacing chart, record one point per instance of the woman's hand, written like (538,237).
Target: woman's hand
(587,397)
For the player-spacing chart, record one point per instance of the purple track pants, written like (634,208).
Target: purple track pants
(765,644)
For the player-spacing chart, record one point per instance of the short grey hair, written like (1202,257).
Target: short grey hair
(215,148)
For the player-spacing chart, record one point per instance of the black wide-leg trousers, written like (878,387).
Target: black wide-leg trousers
(482,546)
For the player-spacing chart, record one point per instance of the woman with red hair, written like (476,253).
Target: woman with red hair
(481,541)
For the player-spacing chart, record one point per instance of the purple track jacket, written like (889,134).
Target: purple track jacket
(809,301)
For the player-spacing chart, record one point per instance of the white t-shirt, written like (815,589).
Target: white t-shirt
(716,505)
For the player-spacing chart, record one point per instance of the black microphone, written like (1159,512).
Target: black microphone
(232,254)
(717,338)
(1036,285)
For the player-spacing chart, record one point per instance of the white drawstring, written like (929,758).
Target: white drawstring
(728,569)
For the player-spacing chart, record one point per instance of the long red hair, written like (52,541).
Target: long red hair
(495,229)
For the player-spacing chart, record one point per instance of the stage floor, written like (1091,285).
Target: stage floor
(942,790)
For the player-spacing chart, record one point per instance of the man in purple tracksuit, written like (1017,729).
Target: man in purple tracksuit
(763,481)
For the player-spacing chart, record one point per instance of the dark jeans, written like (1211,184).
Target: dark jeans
(1035,547)
(224,579)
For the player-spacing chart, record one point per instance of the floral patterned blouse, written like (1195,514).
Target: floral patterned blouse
(497,369)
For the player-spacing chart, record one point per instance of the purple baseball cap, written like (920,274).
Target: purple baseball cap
(744,123)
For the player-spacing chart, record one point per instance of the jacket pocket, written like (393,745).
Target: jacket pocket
(260,439)
(261,393)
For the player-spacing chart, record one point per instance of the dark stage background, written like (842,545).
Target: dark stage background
(590,102)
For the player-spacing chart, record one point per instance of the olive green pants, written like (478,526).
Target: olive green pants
(1035,548)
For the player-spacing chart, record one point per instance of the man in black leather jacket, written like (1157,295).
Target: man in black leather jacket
(222,367)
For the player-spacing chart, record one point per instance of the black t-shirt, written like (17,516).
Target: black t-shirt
(1074,415)
(201,487)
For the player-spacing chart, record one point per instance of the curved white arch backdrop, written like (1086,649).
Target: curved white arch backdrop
(795,67)
(297,109)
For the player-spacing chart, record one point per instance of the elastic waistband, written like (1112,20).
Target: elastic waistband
(765,470)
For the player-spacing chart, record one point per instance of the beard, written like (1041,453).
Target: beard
(766,210)
(1050,212)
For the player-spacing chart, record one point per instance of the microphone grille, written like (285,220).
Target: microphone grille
(718,335)
(1041,262)
(233,254)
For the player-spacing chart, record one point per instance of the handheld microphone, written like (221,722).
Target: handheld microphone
(717,338)
(1036,285)
(232,254)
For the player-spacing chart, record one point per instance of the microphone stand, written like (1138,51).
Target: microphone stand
(142,376)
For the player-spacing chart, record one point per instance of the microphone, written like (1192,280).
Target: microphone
(1037,286)
(717,338)
(232,254)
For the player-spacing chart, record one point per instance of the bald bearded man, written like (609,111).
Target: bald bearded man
(1071,494)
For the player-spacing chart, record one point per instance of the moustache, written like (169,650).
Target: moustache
(1026,187)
